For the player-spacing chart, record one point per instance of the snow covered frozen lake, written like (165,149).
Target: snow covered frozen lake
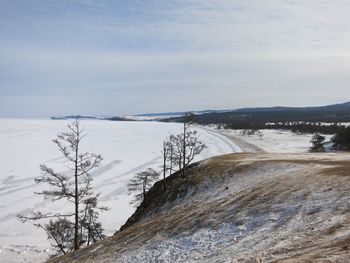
(127,147)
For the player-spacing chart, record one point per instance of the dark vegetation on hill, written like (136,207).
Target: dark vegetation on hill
(299,120)
(342,139)
(264,118)
(116,118)
(81,117)
(73,117)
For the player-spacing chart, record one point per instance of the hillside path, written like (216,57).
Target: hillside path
(242,144)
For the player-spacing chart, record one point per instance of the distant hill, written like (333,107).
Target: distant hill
(181,113)
(117,118)
(81,117)
(166,115)
(328,113)
(341,106)
(71,117)
(258,117)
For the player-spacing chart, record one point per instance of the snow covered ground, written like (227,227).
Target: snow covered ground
(127,147)
(276,141)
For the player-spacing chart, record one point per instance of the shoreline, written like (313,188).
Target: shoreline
(245,146)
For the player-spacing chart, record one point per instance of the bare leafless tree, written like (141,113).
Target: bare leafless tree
(141,183)
(171,154)
(186,145)
(178,145)
(167,153)
(73,185)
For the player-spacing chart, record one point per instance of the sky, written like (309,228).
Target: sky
(121,57)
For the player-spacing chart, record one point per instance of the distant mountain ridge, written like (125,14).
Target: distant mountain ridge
(82,117)
(69,117)
(179,113)
(257,118)
(345,105)
(334,108)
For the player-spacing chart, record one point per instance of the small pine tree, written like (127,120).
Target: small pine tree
(61,233)
(141,183)
(317,143)
(341,139)
(91,229)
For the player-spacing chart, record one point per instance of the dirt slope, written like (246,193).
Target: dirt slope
(240,208)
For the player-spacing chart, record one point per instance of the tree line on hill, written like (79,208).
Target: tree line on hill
(297,127)
(323,120)
(341,141)
(245,119)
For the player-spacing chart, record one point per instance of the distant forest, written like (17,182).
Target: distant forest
(297,120)
(322,120)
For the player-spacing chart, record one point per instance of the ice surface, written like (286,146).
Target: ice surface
(127,147)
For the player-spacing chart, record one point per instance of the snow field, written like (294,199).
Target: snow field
(127,147)
(277,141)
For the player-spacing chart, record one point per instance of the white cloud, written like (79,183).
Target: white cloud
(135,55)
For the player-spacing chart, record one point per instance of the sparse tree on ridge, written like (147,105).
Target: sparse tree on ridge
(178,150)
(168,157)
(171,154)
(141,183)
(187,145)
(73,186)
(165,153)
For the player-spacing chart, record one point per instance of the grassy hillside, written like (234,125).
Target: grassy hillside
(240,208)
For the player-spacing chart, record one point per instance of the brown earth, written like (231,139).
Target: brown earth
(282,207)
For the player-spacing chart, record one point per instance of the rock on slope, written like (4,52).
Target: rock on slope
(240,208)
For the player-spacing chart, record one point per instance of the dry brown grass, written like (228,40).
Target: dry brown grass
(294,206)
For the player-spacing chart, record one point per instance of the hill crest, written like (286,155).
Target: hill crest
(278,207)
